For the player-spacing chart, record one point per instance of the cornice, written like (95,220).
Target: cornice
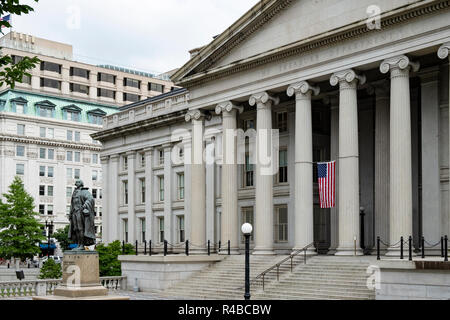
(50,143)
(354,30)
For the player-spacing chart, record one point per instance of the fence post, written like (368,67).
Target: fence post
(145,247)
(209,247)
(410,248)
(446,248)
(378,248)
(229,247)
(123,247)
(423,247)
(136,247)
(401,247)
(442,247)
(165,247)
(150,247)
(220,245)
(187,247)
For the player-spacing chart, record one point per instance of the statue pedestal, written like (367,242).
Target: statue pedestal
(81,279)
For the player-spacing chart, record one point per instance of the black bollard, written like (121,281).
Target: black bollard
(410,248)
(136,247)
(220,245)
(442,247)
(229,247)
(378,248)
(401,247)
(165,247)
(145,247)
(150,247)
(446,248)
(123,247)
(423,247)
(8,265)
(209,247)
(187,247)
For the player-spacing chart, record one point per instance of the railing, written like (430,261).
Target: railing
(10,289)
(261,278)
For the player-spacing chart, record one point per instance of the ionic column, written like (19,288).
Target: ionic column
(106,236)
(304,211)
(382,172)
(400,199)
(443,53)
(131,156)
(148,194)
(198,186)
(349,228)
(334,150)
(263,173)
(168,223)
(230,220)
(113,198)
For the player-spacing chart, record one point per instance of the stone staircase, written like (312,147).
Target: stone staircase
(323,277)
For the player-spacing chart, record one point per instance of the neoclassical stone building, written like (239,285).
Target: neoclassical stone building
(364,85)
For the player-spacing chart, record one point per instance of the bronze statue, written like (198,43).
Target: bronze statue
(82,217)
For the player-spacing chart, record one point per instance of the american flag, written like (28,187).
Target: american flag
(326,173)
(6,18)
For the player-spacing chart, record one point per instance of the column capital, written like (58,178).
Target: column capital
(194,115)
(346,76)
(302,89)
(131,154)
(263,98)
(148,150)
(443,51)
(227,107)
(399,62)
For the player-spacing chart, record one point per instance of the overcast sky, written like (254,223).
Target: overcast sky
(147,35)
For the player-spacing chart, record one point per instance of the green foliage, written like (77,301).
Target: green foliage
(11,73)
(20,233)
(108,258)
(62,236)
(50,270)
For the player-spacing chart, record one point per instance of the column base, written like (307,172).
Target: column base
(342,251)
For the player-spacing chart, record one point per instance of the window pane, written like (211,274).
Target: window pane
(42,132)
(21,129)
(51,154)
(69,172)
(69,155)
(42,152)
(69,135)
(83,73)
(42,190)
(42,171)
(51,133)
(77,135)
(50,172)
(50,191)
(20,151)
(20,168)
(68,192)
(77,174)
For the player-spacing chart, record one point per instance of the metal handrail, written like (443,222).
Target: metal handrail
(277,265)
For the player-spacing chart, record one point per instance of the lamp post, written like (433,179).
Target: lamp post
(247,230)
(49,226)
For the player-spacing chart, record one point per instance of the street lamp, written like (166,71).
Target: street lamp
(247,230)
(49,226)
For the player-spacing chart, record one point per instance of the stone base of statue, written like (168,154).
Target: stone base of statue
(81,279)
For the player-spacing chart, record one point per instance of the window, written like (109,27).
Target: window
(125,163)
(127,82)
(69,135)
(161,229)
(45,112)
(247,217)
(180,186)
(77,136)
(41,171)
(78,72)
(282,121)
(69,192)
(106,93)
(42,190)
(20,151)
(283,162)
(96,116)
(75,87)
(142,182)
(77,174)
(161,188)
(161,157)
(67,210)
(125,192)
(249,124)
(69,173)
(94,193)
(181,237)
(42,209)
(69,156)
(248,170)
(50,172)
(20,169)
(20,108)
(94,175)
(51,154)
(131,97)
(50,133)
(26,79)
(125,230)
(50,66)
(50,83)
(21,129)
(281,224)
(142,230)
(142,160)
(72,115)
(77,156)
(95,158)
(50,191)
(50,209)
(16,59)
(42,153)
(155,87)
(100,209)
(105,77)
(42,132)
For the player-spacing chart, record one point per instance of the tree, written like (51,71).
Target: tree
(20,231)
(13,71)
(108,258)
(62,236)
(50,270)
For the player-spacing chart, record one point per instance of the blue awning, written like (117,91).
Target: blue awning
(73,246)
(45,246)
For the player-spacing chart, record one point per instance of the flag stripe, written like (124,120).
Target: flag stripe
(326,181)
